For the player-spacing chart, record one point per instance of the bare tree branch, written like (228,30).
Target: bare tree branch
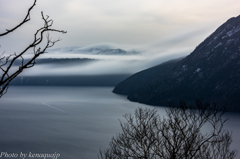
(180,135)
(6,62)
(26,19)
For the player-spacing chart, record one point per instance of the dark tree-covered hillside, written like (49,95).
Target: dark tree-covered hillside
(211,72)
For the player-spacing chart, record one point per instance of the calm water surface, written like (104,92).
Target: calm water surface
(72,121)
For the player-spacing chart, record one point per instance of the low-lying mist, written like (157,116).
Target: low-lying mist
(101,59)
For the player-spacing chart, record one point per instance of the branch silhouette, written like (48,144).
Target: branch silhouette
(178,135)
(26,19)
(6,62)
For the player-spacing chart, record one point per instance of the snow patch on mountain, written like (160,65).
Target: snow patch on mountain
(184,68)
(198,70)
(233,31)
(219,44)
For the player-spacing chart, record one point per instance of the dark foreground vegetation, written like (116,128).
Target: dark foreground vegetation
(186,132)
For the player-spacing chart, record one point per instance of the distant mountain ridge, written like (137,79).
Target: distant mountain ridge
(95,50)
(58,61)
(211,72)
(70,80)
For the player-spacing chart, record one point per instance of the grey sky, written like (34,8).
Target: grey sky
(160,27)
(123,22)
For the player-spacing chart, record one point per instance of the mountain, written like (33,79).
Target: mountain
(95,50)
(211,72)
(69,80)
(57,61)
(136,81)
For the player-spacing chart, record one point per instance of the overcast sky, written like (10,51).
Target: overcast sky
(165,29)
(157,23)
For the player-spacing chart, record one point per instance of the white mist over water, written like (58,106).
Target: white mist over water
(109,59)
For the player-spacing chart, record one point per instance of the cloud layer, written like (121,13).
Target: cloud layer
(158,29)
(101,64)
(125,22)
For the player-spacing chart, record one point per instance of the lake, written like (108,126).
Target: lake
(71,121)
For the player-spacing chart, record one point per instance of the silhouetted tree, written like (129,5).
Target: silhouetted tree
(187,132)
(8,73)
